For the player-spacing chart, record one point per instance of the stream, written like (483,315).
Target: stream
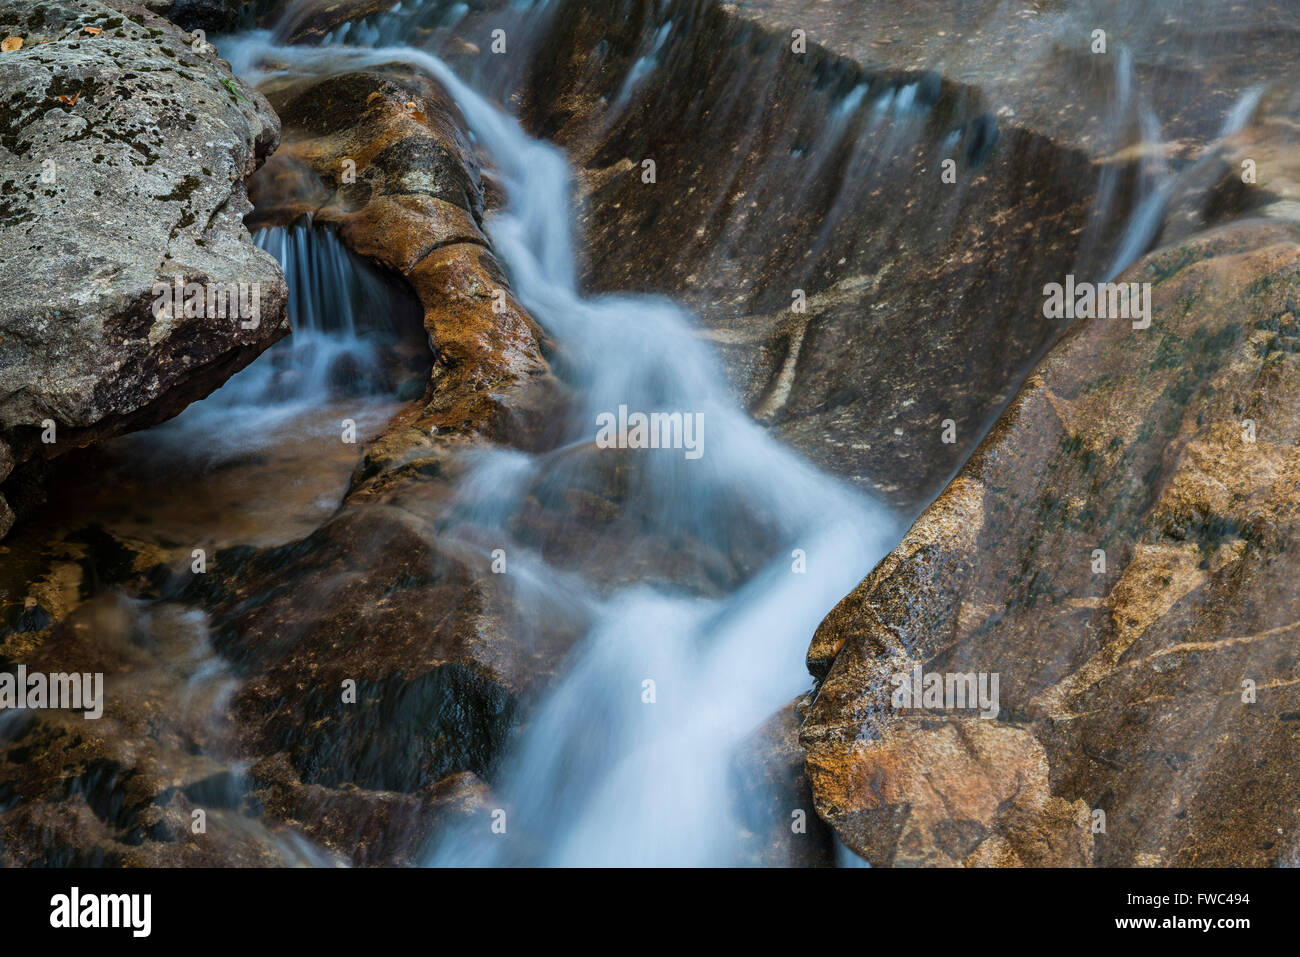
(627,760)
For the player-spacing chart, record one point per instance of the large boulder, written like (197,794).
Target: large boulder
(1115,551)
(125,152)
(1118,551)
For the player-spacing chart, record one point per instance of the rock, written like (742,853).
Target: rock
(774,801)
(812,231)
(125,154)
(1159,688)
(969,792)
(415,205)
(211,16)
(1187,62)
(121,790)
(434,645)
(372,828)
(309,23)
(833,189)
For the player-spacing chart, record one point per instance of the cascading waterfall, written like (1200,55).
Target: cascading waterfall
(610,771)
(603,776)
(626,760)
(229,567)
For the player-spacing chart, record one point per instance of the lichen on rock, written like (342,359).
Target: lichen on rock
(125,150)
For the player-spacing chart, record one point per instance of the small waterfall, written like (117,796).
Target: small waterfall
(261,459)
(626,761)
(1157,186)
(645,64)
(337,311)
(1157,181)
(346,318)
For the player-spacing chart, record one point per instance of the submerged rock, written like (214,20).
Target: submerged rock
(125,152)
(773,800)
(123,789)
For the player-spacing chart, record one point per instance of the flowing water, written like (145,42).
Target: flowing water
(260,459)
(628,760)
(346,317)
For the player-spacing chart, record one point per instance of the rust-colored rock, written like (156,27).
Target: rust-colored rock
(1158,687)
(381,155)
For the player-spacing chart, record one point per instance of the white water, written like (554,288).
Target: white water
(601,776)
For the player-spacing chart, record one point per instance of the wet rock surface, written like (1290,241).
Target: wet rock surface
(1112,550)
(310,23)
(125,154)
(1152,682)
(812,229)
(824,188)
(774,798)
(925,282)
(1189,62)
